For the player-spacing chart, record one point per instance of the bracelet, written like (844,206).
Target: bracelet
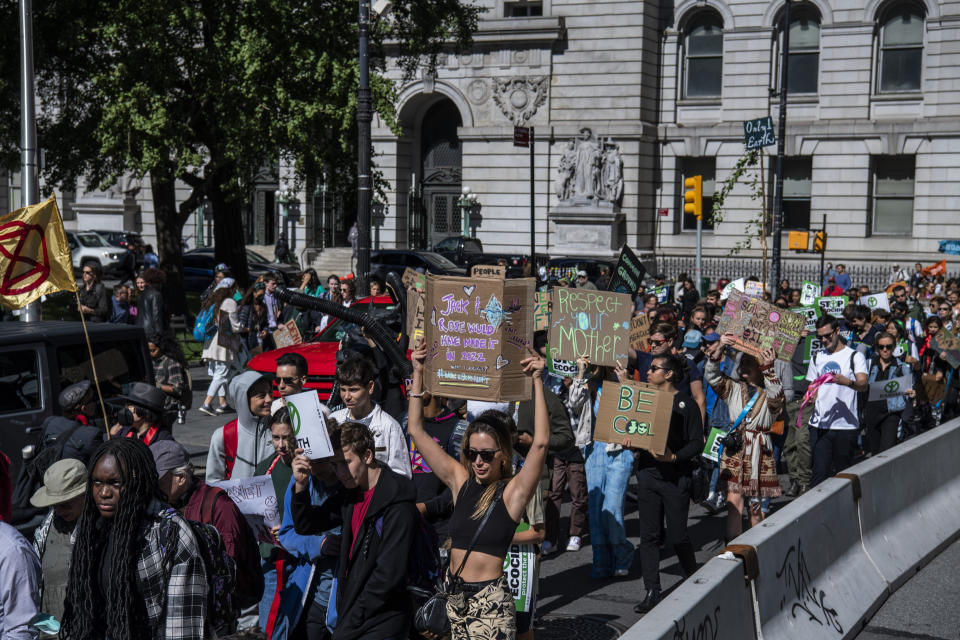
(415,395)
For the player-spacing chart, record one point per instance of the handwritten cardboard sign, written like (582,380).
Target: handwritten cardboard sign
(637,411)
(414,316)
(541,311)
(309,426)
(877,301)
(753,289)
(257,501)
(591,323)
(949,345)
(810,316)
(477,331)
(833,305)
(628,274)
(287,334)
(883,389)
(759,325)
(640,332)
(413,278)
(809,292)
(488,271)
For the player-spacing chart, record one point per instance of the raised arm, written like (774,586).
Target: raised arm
(520,489)
(450,472)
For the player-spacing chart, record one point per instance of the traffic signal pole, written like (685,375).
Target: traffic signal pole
(781,135)
(693,204)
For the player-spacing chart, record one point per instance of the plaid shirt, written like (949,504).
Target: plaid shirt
(166,370)
(175,595)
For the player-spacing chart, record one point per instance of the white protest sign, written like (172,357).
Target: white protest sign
(519,567)
(877,301)
(883,389)
(563,368)
(309,426)
(257,501)
(809,292)
(737,285)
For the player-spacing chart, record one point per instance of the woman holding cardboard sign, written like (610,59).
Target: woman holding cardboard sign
(489,500)
(749,469)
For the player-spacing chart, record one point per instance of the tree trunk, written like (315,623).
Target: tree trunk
(229,241)
(169,234)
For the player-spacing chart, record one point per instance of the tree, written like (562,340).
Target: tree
(209,91)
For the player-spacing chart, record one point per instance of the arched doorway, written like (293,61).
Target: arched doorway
(441,168)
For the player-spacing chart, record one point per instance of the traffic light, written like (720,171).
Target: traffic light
(819,241)
(693,196)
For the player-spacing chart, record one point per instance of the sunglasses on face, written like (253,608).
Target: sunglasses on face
(88,273)
(884,347)
(288,380)
(657,343)
(656,368)
(486,455)
(824,336)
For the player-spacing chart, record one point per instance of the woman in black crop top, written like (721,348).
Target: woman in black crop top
(482,607)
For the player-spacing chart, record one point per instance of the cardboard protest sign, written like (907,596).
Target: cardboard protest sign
(640,332)
(833,305)
(759,325)
(809,292)
(947,343)
(309,426)
(877,301)
(810,315)
(519,567)
(488,271)
(883,389)
(591,323)
(287,334)
(628,273)
(736,285)
(637,411)
(753,289)
(663,294)
(541,311)
(257,501)
(414,316)
(477,332)
(413,278)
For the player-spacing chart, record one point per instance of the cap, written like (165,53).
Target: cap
(145,395)
(831,279)
(660,276)
(692,338)
(221,268)
(712,337)
(64,480)
(73,395)
(226,282)
(581,274)
(169,455)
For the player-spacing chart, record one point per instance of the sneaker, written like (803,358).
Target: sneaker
(207,409)
(621,573)
(793,490)
(573,544)
(547,548)
(223,409)
(710,504)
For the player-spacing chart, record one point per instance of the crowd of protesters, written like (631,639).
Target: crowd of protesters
(135,543)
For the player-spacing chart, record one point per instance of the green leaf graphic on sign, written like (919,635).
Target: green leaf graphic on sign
(892,387)
(872,301)
(294,417)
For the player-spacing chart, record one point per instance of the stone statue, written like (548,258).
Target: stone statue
(590,171)
(585,182)
(566,171)
(612,175)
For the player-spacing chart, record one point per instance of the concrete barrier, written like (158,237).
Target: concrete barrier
(713,603)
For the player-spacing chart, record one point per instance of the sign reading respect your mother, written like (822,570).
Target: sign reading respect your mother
(592,323)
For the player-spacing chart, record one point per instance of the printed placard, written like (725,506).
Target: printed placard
(809,292)
(287,334)
(712,449)
(637,411)
(640,332)
(257,501)
(759,325)
(753,289)
(309,425)
(663,294)
(562,368)
(414,316)
(883,389)
(812,345)
(736,285)
(413,278)
(947,343)
(488,271)
(628,274)
(477,331)
(810,316)
(541,311)
(833,305)
(519,567)
(877,301)
(591,323)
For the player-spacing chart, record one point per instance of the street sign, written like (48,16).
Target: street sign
(758,133)
(521,136)
(663,212)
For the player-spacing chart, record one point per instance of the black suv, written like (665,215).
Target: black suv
(386,260)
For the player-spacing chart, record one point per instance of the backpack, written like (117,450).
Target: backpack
(31,473)
(230,437)
(205,328)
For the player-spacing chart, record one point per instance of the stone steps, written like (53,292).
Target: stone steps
(335,260)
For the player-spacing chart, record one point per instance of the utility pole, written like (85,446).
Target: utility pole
(29,187)
(533,219)
(364,118)
(781,135)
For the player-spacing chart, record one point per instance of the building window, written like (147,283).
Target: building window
(901,49)
(686,168)
(522,9)
(803,72)
(703,57)
(797,183)
(892,194)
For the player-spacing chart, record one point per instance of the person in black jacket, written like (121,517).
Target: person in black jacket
(94,303)
(663,482)
(378,517)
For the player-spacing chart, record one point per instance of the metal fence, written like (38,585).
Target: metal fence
(876,277)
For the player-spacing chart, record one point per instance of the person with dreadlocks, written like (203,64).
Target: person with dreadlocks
(136,572)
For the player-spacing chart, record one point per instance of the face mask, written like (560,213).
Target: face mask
(125,419)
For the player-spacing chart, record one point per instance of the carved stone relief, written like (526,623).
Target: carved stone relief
(520,97)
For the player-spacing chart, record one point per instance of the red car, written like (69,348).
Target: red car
(320,350)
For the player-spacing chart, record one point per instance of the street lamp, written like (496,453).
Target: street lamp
(378,215)
(469,206)
(287,201)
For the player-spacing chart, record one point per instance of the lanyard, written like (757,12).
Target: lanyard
(273,464)
(736,423)
(148,437)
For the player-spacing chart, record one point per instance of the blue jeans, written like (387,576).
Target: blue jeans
(607,477)
(269,591)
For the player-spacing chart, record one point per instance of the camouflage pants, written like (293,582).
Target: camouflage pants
(488,614)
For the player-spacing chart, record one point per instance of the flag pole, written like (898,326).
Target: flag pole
(93,363)
(29,188)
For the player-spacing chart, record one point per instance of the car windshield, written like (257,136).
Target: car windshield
(447,244)
(437,260)
(253,256)
(91,240)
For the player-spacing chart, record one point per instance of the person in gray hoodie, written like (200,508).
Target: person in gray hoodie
(240,445)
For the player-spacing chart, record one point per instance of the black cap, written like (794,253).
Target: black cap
(71,397)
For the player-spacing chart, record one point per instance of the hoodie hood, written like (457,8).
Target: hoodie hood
(237,394)
(392,488)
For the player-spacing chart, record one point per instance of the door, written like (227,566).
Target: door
(442,212)
(442,166)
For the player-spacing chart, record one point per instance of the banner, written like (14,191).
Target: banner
(309,426)
(413,278)
(591,323)
(810,316)
(519,567)
(883,389)
(628,274)
(34,255)
(488,271)
(477,332)
(948,344)
(287,334)
(809,292)
(637,411)
(414,316)
(832,305)
(541,311)
(877,301)
(257,501)
(936,269)
(640,332)
(759,325)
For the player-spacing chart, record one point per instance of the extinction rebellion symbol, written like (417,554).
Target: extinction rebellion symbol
(38,270)
(294,417)
(892,387)
(872,301)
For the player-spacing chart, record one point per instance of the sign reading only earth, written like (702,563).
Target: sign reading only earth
(758,133)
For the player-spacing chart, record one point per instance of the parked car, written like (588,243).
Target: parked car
(88,247)
(568,268)
(386,260)
(128,240)
(198,269)
(466,252)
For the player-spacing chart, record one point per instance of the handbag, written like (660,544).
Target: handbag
(431,617)
(734,439)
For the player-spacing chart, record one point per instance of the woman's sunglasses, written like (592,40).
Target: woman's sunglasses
(884,347)
(486,455)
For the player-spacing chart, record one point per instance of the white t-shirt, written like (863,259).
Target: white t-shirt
(836,406)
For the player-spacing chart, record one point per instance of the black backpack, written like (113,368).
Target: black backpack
(32,470)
